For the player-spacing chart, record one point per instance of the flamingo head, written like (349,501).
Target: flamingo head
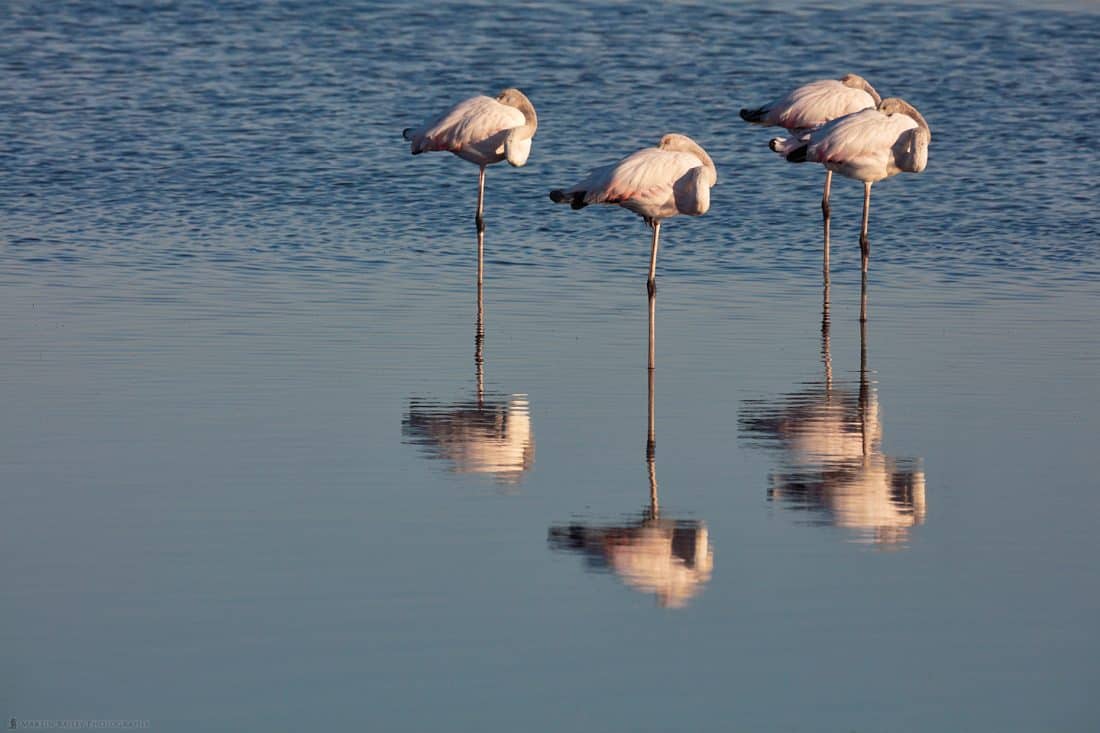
(855,81)
(676,142)
(893,105)
(513,97)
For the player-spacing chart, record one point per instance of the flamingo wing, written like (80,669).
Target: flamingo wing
(812,105)
(868,134)
(645,176)
(467,123)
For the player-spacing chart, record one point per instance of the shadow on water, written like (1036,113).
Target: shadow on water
(486,433)
(670,558)
(832,465)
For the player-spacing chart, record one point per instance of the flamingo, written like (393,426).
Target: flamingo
(810,106)
(483,131)
(869,146)
(655,183)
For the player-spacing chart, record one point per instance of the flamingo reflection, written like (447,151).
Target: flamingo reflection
(486,434)
(833,465)
(669,558)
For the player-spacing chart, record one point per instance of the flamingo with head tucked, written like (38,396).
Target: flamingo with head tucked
(869,146)
(484,131)
(810,106)
(655,183)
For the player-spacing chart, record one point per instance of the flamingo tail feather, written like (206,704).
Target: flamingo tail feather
(575,199)
(753,115)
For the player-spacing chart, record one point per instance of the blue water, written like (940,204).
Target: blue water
(264,467)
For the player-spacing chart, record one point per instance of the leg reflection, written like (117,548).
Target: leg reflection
(826,357)
(825,224)
(863,298)
(651,440)
(479,346)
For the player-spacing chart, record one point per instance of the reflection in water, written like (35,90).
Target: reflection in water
(669,558)
(483,434)
(833,465)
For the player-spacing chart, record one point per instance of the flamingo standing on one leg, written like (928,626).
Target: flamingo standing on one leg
(869,146)
(655,183)
(810,106)
(484,131)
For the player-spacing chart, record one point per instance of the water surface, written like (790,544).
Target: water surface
(268,461)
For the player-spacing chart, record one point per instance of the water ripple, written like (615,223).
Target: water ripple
(260,137)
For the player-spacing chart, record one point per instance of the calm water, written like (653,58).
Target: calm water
(264,467)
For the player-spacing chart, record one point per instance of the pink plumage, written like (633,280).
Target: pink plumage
(483,131)
(473,129)
(872,144)
(812,105)
(655,183)
(869,146)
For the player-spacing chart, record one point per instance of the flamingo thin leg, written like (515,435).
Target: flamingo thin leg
(480,220)
(864,242)
(651,285)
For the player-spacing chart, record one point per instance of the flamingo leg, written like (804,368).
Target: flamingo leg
(825,220)
(651,284)
(864,242)
(480,221)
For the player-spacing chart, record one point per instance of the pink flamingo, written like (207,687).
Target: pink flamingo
(869,146)
(655,183)
(483,131)
(810,106)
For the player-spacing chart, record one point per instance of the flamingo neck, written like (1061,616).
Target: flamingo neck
(531,120)
(708,164)
(895,104)
(855,81)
